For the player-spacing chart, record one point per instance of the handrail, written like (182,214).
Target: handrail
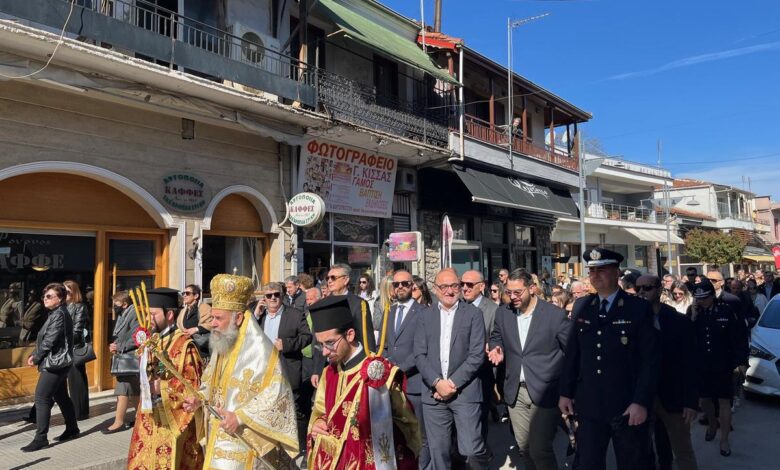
(607,210)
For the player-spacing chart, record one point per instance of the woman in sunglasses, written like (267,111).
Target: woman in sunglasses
(365,289)
(420,292)
(496,292)
(54,357)
(681,297)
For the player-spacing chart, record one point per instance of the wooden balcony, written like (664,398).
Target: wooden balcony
(496,135)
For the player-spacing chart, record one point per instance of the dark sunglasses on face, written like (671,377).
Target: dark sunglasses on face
(363,281)
(333,278)
(398,284)
(273,295)
(470,285)
(494,291)
(50,296)
(185,293)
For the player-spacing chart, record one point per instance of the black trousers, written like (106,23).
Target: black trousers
(663,448)
(631,444)
(52,388)
(78,386)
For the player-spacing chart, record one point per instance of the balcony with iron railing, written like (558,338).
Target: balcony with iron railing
(726,211)
(483,131)
(609,211)
(144,30)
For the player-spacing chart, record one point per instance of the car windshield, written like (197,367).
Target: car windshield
(771,316)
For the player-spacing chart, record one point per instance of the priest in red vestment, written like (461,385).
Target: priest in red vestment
(165,436)
(361,417)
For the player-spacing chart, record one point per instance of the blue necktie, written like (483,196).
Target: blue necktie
(399,318)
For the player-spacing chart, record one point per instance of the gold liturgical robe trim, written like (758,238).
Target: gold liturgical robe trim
(249,382)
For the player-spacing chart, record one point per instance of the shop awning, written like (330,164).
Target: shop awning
(375,36)
(760,258)
(499,190)
(650,235)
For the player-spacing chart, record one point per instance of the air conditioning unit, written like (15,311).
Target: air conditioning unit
(406,180)
(252,47)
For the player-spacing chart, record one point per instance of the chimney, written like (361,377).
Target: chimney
(437,16)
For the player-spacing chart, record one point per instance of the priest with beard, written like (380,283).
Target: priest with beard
(361,418)
(166,436)
(245,386)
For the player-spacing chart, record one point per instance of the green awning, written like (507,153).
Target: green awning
(373,35)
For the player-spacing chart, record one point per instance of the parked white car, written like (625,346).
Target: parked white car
(763,375)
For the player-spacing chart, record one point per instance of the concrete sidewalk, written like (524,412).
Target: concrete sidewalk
(92,450)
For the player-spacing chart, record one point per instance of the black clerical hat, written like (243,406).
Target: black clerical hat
(602,257)
(330,313)
(163,297)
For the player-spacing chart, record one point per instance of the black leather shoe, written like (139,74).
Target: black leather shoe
(35,445)
(68,435)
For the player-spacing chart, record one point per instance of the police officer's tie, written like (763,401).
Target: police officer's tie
(603,310)
(399,318)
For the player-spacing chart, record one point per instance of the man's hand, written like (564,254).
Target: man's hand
(278,344)
(190,331)
(229,421)
(190,404)
(112,348)
(315,380)
(689,415)
(320,427)
(30,361)
(446,389)
(566,405)
(637,414)
(496,356)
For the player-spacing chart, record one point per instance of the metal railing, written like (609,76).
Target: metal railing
(606,210)
(179,28)
(497,135)
(725,213)
(357,103)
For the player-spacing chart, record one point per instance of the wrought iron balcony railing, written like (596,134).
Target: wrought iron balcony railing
(605,210)
(357,103)
(497,135)
(724,212)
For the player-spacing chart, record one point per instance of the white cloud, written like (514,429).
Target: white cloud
(700,59)
(764,177)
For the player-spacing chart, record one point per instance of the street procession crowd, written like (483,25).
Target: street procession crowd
(320,374)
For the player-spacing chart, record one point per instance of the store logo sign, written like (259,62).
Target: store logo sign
(529,188)
(306,209)
(184,192)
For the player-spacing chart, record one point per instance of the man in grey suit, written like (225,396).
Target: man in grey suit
(530,335)
(472,284)
(402,323)
(449,349)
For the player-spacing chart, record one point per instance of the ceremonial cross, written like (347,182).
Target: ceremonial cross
(245,385)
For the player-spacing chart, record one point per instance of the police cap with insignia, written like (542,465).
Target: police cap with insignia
(703,289)
(163,297)
(631,275)
(330,313)
(602,257)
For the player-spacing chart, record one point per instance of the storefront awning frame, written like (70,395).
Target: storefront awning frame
(652,235)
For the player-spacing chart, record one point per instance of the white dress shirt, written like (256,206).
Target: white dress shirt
(478,300)
(523,325)
(447,318)
(406,307)
(271,325)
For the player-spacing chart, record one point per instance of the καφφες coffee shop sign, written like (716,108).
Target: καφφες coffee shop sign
(184,192)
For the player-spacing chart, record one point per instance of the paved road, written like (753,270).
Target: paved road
(755,441)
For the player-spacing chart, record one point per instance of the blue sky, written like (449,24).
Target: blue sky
(702,76)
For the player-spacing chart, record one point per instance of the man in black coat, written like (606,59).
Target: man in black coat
(402,323)
(530,335)
(678,395)
(294,295)
(611,369)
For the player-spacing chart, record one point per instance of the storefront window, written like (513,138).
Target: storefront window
(319,232)
(28,262)
(466,256)
(460,228)
(640,256)
(494,232)
(352,229)
(131,255)
(228,254)
(524,236)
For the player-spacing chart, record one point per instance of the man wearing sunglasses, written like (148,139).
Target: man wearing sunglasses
(678,394)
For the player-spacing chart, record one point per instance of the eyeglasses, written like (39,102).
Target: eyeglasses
(494,291)
(646,288)
(404,284)
(363,281)
(273,295)
(677,294)
(51,296)
(518,292)
(329,345)
(446,287)
(333,278)
(470,285)
(186,293)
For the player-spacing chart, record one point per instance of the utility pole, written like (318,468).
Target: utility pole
(667,215)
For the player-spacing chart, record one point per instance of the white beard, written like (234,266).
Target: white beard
(222,342)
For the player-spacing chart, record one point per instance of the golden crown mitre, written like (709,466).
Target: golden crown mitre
(231,292)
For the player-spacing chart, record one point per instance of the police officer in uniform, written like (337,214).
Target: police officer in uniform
(718,344)
(611,370)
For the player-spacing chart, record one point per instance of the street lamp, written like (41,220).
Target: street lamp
(510,25)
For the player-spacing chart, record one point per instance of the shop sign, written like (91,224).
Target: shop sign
(404,246)
(530,188)
(776,254)
(184,192)
(306,209)
(350,180)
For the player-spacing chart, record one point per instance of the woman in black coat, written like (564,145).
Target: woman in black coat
(78,384)
(53,355)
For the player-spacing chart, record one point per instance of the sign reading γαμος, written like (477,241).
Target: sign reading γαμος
(183,192)
(305,209)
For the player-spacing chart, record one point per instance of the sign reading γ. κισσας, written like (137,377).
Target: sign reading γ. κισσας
(184,192)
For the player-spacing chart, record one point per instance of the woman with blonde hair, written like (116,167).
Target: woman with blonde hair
(78,384)
(383,302)
(681,297)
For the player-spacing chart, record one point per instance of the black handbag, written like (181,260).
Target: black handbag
(83,354)
(125,364)
(63,360)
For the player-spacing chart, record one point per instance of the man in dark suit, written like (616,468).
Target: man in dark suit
(449,349)
(338,280)
(287,328)
(611,369)
(530,336)
(294,295)
(678,395)
(402,323)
